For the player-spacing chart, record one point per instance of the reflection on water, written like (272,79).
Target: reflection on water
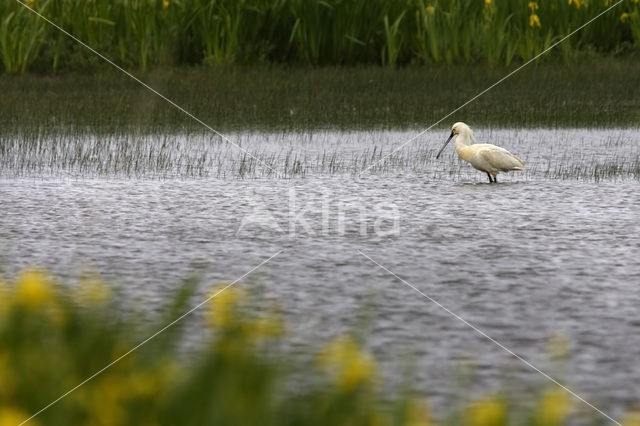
(522,260)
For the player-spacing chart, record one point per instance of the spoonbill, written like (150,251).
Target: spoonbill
(485,157)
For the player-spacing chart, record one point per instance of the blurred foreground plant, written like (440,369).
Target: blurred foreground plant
(53,338)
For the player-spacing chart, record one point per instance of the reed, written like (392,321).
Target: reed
(549,156)
(145,33)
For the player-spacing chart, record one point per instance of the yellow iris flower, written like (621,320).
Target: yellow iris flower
(486,412)
(348,365)
(534,21)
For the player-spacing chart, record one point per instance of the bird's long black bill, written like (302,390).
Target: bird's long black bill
(445,145)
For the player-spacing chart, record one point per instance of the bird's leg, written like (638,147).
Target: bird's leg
(490,180)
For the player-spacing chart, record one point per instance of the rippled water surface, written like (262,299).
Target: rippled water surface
(554,250)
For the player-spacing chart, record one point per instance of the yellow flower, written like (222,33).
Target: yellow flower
(264,328)
(93,291)
(347,364)
(553,408)
(418,414)
(534,21)
(11,416)
(223,304)
(576,3)
(487,1)
(165,3)
(624,17)
(34,290)
(631,419)
(533,6)
(431,10)
(104,400)
(486,412)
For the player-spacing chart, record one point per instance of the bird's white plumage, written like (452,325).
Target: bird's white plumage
(488,158)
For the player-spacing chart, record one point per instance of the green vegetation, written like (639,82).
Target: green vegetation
(285,119)
(291,155)
(145,33)
(54,337)
(595,93)
(254,70)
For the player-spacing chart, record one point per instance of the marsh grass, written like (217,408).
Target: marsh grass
(301,122)
(566,154)
(599,93)
(146,33)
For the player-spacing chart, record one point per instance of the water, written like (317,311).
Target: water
(542,253)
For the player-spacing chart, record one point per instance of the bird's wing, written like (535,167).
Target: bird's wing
(500,158)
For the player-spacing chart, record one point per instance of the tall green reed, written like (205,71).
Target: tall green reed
(21,36)
(338,31)
(145,33)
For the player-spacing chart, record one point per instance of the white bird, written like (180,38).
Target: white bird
(485,157)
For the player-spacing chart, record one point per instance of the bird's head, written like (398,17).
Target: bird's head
(458,128)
